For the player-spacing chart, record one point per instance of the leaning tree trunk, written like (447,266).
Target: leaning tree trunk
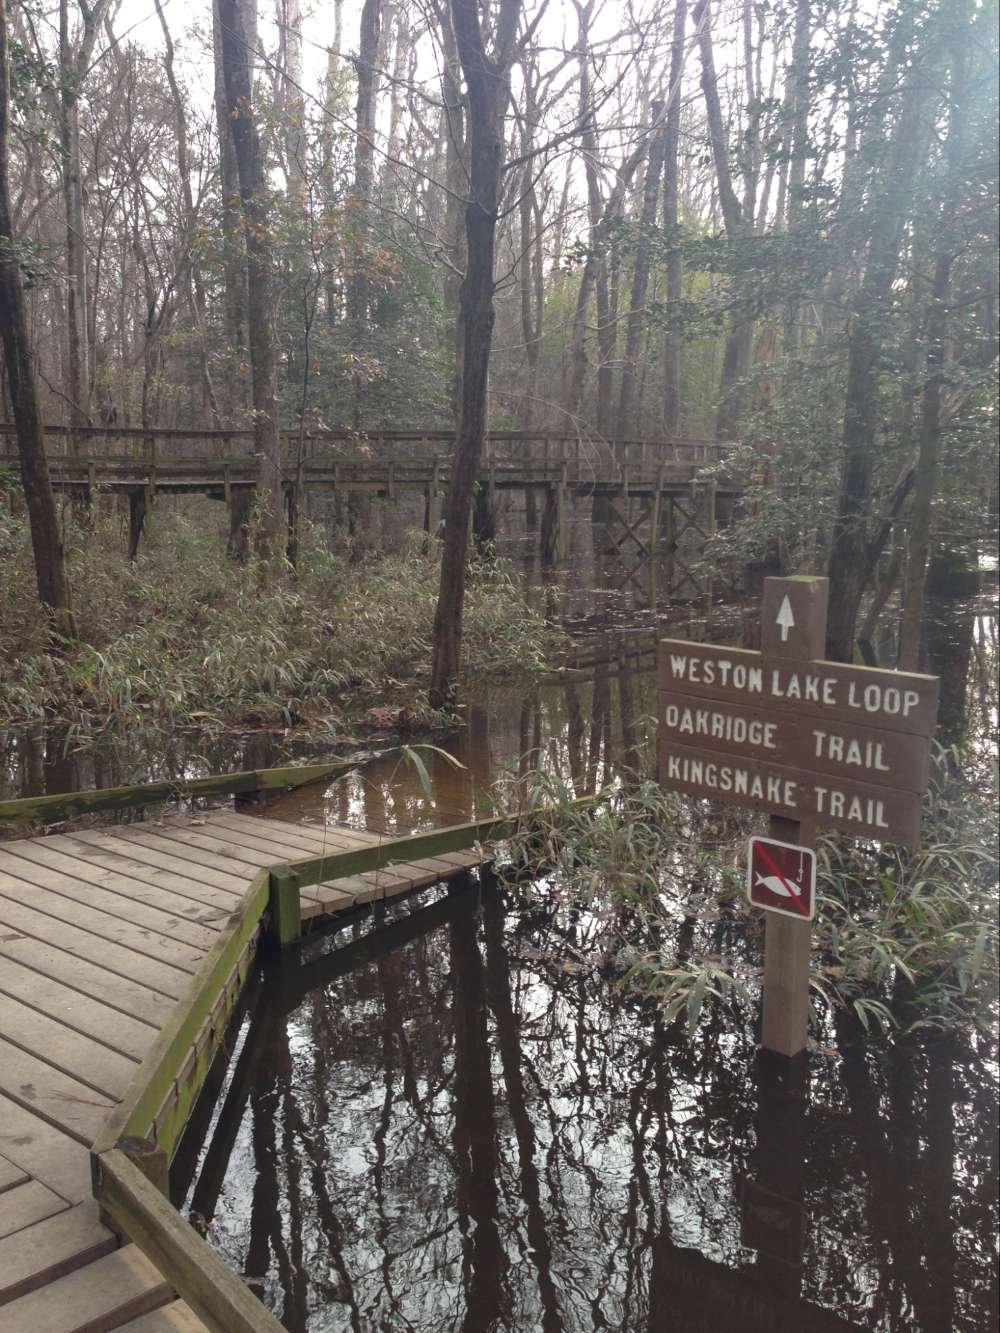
(46,541)
(236,47)
(488,84)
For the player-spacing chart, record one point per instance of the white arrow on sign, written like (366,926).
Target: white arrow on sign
(785,618)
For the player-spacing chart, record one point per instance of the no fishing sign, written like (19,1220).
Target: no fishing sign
(781,877)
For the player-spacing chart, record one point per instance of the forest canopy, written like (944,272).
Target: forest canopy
(771,224)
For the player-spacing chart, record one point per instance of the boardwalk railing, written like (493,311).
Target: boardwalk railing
(83,445)
(131,1156)
(69,805)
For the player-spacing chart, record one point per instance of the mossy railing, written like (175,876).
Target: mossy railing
(69,805)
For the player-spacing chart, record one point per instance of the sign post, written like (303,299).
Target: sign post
(809,742)
(792,629)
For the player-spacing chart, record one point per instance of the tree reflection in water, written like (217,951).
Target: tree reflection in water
(454,1124)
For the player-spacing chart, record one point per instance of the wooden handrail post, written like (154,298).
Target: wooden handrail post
(284,907)
(151,1160)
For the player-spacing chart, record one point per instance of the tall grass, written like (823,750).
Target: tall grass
(903,940)
(184,636)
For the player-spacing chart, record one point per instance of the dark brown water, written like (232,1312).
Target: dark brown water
(453,1123)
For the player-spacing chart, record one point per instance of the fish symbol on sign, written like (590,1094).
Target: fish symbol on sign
(774,885)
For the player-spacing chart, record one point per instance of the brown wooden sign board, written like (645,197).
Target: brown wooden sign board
(775,735)
(865,810)
(806,740)
(889,700)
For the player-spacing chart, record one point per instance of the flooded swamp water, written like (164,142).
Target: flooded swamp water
(448,1117)
(450,1120)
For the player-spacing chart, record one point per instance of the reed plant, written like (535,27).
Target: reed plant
(184,636)
(903,939)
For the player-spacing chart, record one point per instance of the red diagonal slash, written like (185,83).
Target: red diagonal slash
(796,896)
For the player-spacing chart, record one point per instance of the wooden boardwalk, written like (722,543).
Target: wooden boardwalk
(100,935)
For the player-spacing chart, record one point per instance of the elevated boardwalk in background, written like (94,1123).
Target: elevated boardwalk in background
(679,486)
(214,462)
(101,935)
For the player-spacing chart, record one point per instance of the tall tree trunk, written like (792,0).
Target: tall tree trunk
(488,84)
(331,97)
(190,276)
(891,207)
(46,541)
(260,307)
(798,129)
(671,220)
(928,461)
(627,413)
(364,156)
(76,276)
(292,101)
(453,132)
(234,246)
(736,357)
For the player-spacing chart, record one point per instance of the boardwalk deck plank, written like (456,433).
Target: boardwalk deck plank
(152,851)
(268,850)
(95,920)
(104,1295)
(162,977)
(10,1175)
(203,901)
(190,840)
(80,974)
(144,905)
(258,850)
(27,1204)
(79,1057)
(177,1317)
(44,1152)
(332,899)
(103,1025)
(209,859)
(100,932)
(51,1248)
(308,840)
(63,1101)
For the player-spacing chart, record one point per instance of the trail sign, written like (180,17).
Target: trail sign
(807,740)
(783,731)
(781,877)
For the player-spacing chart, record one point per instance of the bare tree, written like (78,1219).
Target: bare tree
(236,64)
(46,539)
(487,79)
(671,218)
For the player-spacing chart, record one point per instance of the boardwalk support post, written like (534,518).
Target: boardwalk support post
(284,908)
(562,492)
(654,533)
(710,501)
(136,520)
(550,524)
